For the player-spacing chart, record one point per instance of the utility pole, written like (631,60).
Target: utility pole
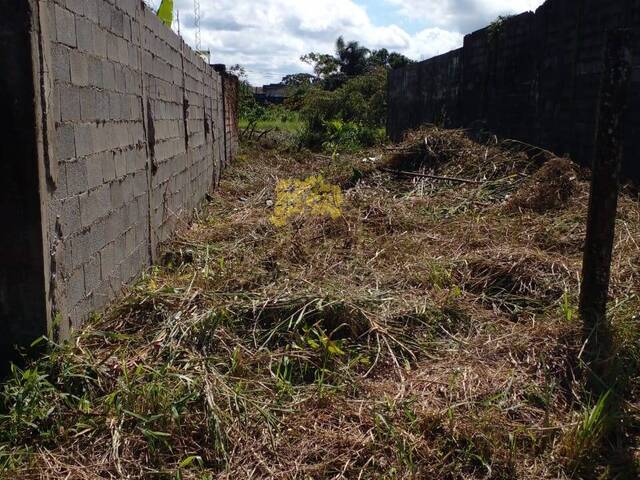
(603,204)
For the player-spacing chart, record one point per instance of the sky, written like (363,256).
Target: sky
(268,37)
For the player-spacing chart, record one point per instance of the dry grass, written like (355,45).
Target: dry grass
(429,332)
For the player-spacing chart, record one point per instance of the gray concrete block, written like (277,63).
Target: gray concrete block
(113,50)
(99,41)
(88,107)
(127,189)
(76,6)
(117,22)
(69,103)
(130,241)
(102,105)
(79,69)
(84,140)
(115,106)
(120,159)
(126,32)
(114,226)
(108,167)
(76,175)
(92,276)
(65,26)
(61,63)
(65,142)
(121,81)
(91,10)
(100,134)
(104,14)
(75,286)
(140,184)
(117,198)
(95,72)
(80,249)
(94,171)
(107,261)
(84,34)
(70,216)
(94,205)
(108,75)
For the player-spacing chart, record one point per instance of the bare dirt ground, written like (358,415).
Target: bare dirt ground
(327,318)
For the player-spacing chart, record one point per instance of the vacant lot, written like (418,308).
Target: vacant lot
(327,318)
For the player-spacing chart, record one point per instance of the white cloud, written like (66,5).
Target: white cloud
(462,15)
(433,41)
(268,37)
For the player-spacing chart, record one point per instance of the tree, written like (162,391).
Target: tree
(352,57)
(298,80)
(383,58)
(323,64)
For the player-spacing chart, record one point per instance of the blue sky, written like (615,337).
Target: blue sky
(269,36)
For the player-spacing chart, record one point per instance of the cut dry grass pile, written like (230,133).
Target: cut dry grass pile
(427,332)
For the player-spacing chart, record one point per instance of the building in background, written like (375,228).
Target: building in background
(274,93)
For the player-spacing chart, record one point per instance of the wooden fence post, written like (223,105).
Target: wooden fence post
(603,205)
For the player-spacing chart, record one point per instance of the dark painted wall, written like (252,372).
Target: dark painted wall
(536,78)
(22,294)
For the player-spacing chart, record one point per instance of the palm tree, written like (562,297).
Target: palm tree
(352,56)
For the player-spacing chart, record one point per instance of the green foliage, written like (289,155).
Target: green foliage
(347,118)
(350,60)
(165,12)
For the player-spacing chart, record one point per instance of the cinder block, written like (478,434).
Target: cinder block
(126,32)
(120,164)
(75,286)
(102,105)
(79,69)
(94,171)
(140,184)
(88,107)
(117,22)
(91,10)
(114,227)
(104,14)
(80,250)
(99,41)
(69,103)
(101,295)
(92,277)
(127,189)
(61,63)
(121,82)
(65,26)
(84,140)
(70,216)
(117,198)
(87,212)
(100,136)
(76,6)
(108,167)
(130,241)
(65,142)
(108,75)
(76,174)
(107,261)
(84,34)
(113,51)
(95,72)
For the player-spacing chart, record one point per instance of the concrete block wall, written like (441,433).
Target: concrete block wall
(534,77)
(135,122)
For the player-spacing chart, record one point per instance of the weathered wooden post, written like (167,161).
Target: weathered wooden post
(603,205)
